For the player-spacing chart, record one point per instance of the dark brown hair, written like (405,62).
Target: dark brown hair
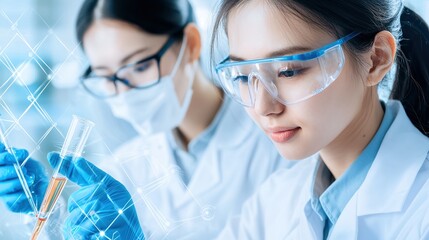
(153,16)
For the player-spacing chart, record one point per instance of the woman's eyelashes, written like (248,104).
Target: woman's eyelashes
(290,72)
(241,78)
(141,67)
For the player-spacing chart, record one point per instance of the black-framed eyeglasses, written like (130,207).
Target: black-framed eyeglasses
(142,74)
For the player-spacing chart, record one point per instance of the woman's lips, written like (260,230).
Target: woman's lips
(283,135)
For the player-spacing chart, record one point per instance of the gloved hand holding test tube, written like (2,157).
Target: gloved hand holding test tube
(73,146)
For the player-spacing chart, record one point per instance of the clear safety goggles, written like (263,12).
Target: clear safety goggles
(288,79)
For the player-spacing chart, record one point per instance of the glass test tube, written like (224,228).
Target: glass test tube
(74,143)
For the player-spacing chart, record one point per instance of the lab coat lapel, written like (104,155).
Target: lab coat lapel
(313,227)
(394,169)
(390,178)
(161,156)
(346,226)
(207,174)
(231,131)
(167,173)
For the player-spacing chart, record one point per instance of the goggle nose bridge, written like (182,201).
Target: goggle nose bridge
(269,86)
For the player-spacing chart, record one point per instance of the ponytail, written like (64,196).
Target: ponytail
(411,86)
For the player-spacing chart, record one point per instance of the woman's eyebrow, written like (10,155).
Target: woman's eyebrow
(123,60)
(289,51)
(277,53)
(132,54)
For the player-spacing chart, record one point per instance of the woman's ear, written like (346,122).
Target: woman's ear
(193,39)
(382,57)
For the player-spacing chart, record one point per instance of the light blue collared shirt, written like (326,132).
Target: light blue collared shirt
(330,196)
(188,160)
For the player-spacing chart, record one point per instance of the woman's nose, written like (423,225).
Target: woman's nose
(121,87)
(265,104)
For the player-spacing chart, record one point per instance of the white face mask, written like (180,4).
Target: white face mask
(155,109)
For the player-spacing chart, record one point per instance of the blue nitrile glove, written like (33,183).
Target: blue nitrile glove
(11,191)
(101,207)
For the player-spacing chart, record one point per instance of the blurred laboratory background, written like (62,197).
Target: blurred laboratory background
(40,65)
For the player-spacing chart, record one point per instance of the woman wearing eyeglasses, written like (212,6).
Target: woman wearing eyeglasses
(307,73)
(197,157)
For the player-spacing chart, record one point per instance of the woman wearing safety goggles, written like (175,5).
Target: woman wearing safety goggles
(307,73)
(190,168)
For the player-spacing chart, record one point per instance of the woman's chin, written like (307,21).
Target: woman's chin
(293,152)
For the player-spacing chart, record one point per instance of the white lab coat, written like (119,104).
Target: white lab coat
(237,160)
(391,203)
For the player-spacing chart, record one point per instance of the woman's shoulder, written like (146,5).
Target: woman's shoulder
(139,145)
(295,179)
(402,128)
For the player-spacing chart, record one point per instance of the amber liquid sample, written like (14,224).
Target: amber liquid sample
(56,186)
(38,228)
